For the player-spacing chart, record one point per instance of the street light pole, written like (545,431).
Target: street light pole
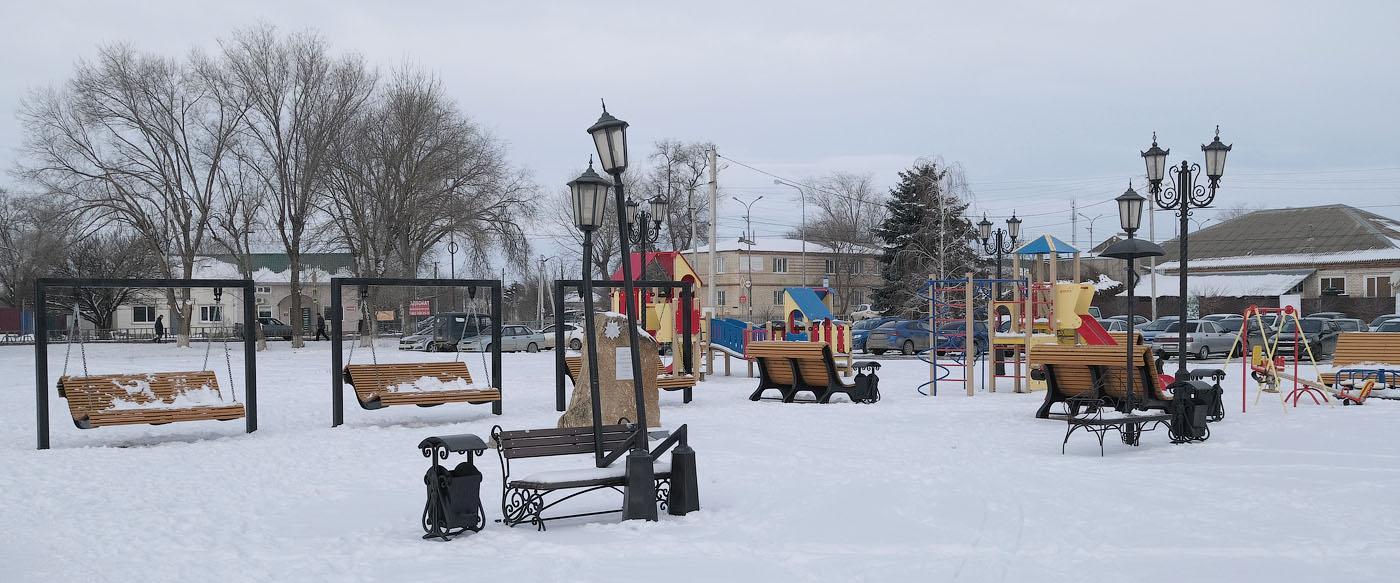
(1092,242)
(1003,245)
(639,500)
(748,239)
(644,228)
(802,195)
(452,253)
(1183,194)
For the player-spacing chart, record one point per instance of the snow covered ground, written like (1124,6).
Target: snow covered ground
(910,489)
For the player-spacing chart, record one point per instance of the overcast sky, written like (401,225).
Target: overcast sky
(1040,102)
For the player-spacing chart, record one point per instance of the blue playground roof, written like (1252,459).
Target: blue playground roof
(1045,245)
(811,305)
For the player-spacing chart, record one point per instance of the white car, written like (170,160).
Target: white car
(573,336)
(864,312)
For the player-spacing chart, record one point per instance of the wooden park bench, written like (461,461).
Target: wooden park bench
(146,398)
(375,384)
(665,382)
(526,499)
(1097,372)
(1356,350)
(793,367)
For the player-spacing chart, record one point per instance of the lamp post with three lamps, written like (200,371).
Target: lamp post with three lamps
(643,229)
(1183,194)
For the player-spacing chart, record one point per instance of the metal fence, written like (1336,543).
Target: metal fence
(133,335)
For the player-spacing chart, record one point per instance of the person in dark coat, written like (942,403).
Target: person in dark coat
(160,329)
(321,327)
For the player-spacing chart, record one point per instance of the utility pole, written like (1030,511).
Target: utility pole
(710,298)
(1074,224)
(694,229)
(539,297)
(748,239)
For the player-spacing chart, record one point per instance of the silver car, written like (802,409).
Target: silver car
(1203,338)
(514,338)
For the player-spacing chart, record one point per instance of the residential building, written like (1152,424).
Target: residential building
(272,278)
(776,263)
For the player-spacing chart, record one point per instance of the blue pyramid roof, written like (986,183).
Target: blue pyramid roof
(811,305)
(1045,245)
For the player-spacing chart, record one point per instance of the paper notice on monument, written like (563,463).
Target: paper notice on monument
(624,363)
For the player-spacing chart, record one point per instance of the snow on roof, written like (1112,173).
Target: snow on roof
(1300,259)
(1237,284)
(211,268)
(772,244)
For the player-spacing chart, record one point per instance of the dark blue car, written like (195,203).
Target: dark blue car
(861,330)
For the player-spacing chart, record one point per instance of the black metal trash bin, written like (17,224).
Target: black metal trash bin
(867,383)
(453,496)
(1215,397)
(1191,401)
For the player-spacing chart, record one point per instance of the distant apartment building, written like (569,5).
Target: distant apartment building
(775,263)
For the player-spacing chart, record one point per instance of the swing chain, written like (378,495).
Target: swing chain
(228,360)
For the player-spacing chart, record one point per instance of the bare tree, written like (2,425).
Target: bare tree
(112,253)
(679,169)
(300,100)
(135,140)
(848,209)
(236,220)
(1236,211)
(34,235)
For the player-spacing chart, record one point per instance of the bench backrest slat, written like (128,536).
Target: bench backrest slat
(559,441)
(1071,367)
(812,360)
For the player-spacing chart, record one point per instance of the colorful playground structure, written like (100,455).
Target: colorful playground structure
(807,317)
(662,305)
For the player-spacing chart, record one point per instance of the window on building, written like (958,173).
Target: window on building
(858,266)
(264,289)
(264,313)
(747,263)
(719,297)
(830,267)
(719,265)
(143,314)
(779,265)
(857,297)
(211,313)
(1378,286)
(1332,286)
(777,297)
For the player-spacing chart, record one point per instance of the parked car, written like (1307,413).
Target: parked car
(1327,315)
(1389,326)
(861,330)
(1319,333)
(907,336)
(1138,320)
(1155,327)
(1256,336)
(1214,317)
(1095,312)
(1376,323)
(1350,325)
(953,336)
(514,338)
(1114,324)
(1231,323)
(573,336)
(443,332)
(1203,338)
(271,327)
(864,312)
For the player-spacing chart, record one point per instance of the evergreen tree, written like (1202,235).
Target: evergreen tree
(926,233)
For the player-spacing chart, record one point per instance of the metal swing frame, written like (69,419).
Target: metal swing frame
(338,326)
(41,337)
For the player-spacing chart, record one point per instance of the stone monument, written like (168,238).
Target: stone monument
(615,381)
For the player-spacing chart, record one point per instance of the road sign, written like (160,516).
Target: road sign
(743,299)
(420,308)
(748,284)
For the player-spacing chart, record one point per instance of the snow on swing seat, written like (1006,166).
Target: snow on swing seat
(418,383)
(154,398)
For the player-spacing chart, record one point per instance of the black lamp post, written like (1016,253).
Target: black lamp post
(1005,239)
(1130,219)
(610,138)
(644,228)
(1183,194)
(590,201)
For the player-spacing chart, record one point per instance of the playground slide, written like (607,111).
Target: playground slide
(1093,332)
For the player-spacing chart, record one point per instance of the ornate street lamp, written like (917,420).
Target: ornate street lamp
(610,138)
(1130,219)
(1182,195)
(1005,239)
(644,228)
(589,197)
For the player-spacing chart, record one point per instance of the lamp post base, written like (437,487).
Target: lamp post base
(639,498)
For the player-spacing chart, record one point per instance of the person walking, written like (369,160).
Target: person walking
(160,329)
(321,327)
